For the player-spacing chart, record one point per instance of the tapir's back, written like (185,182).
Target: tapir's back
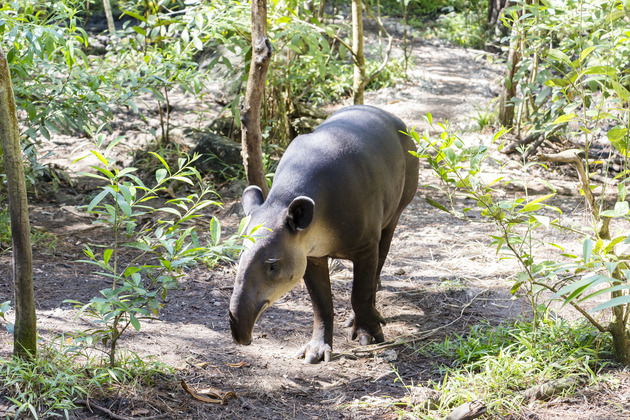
(353,166)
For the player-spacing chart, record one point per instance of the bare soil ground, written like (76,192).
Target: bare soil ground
(440,278)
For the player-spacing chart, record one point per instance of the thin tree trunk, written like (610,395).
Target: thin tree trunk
(322,7)
(357,47)
(110,18)
(506,106)
(250,110)
(25,334)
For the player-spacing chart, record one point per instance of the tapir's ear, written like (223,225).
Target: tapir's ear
(300,213)
(252,198)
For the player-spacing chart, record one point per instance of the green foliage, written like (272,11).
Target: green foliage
(574,66)
(219,251)
(157,253)
(49,69)
(4,308)
(44,386)
(459,169)
(464,29)
(496,364)
(61,374)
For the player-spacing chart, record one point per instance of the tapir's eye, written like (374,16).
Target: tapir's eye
(273,264)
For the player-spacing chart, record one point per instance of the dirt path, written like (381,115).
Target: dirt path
(440,278)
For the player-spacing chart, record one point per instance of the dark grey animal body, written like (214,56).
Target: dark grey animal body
(337,193)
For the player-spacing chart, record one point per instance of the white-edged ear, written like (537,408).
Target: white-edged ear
(300,213)
(252,198)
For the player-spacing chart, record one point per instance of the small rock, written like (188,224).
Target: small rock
(389,356)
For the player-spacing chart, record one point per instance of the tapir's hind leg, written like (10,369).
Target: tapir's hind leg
(317,280)
(367,320)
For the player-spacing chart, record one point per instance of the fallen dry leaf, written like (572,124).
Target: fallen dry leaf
(215,396)
(238,365)
(140,412)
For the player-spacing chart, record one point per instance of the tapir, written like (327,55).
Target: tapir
(338,192)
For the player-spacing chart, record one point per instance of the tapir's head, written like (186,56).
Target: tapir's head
(274,263)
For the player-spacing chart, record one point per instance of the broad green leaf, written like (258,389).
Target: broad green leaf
(96,200)
(621,91)
(622,207)
(140,30)
(560,56)
(616,133)
(124,205)
(134,321)
(162,160)
(620,300)
(107,255)
(585,53)
(610,289)
(160,174)
(564,118)
(582,284)
(543,220)
(170,210)
(100,157)
(437,205)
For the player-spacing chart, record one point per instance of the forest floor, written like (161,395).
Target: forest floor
(441,278)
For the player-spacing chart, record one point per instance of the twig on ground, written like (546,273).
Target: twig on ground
(90,405)
(408,338)
(468,411)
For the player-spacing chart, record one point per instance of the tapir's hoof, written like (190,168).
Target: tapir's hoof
(366,336)
(314,351)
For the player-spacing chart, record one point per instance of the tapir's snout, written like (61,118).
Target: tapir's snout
(239,334)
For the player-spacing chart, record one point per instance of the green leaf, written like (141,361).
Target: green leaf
(437,205)
(622,207)
(621,91)
(620,300)
(134,321)
(564,118)
(162,160)
(170,210)
(580,285)
(616,133)
(587,249)
(124,205)
(100,157)
(560,56)
(543,220)
(107,255)
(585,53)
(160,174)
(140,30)
(96,200)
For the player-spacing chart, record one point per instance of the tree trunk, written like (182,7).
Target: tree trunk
(495,9)
(619,330)
(357,47)
(25,334)
(250,110)
(322,7)
(506,106)
(110,18)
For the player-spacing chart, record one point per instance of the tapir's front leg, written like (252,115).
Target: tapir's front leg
(367,320)
(317,280)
